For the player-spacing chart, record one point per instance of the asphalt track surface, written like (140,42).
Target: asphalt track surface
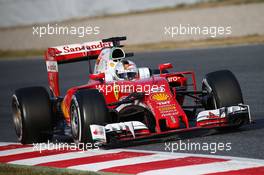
(246,62)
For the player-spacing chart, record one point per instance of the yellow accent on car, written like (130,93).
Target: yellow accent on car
(160,97)
(116,91)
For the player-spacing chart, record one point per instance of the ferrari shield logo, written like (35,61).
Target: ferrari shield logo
(116,91)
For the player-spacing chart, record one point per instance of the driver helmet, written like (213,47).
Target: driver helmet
(126,70)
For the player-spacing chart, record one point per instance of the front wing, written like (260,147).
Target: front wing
(207,119)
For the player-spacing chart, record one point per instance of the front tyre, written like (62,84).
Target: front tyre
(87,107)
(223,91)
(32,116)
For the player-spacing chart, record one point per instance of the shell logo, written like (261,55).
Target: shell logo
(160,97)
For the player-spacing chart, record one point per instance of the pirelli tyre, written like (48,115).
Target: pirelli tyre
(223,89)
(87,107)
(32,115)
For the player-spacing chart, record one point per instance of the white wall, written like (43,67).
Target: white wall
(24,12)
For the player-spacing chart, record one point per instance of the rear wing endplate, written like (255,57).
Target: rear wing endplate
(74,53)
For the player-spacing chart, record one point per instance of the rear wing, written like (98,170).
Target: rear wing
(74,53)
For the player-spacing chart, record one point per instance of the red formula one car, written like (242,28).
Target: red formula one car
(122,102)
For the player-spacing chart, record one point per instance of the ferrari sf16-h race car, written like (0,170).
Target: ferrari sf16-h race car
(122,102)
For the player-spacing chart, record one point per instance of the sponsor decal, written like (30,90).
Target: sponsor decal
(158,89)
(52,66)
(173,79)
(160,97)
(169,114)
(212,116)
(98,133)
(68,49)
(163,103)
(167,108)
(89,46)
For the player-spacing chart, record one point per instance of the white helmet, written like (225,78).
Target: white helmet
(126,70)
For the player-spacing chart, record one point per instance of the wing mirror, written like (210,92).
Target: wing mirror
(100,76)
(165,66)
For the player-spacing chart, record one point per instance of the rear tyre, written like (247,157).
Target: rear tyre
(223,89)
(32,115)
(87,107)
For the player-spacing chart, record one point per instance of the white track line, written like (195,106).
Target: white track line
(204,168)
(41,147)
(5,143)
(234,163)
(128,161)
(16,151)
(62,156)
(261,161)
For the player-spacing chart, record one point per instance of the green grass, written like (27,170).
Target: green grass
(9,169)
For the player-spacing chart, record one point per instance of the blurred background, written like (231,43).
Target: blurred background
(142,21)
(24,12)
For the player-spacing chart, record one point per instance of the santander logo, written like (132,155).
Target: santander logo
(86,46)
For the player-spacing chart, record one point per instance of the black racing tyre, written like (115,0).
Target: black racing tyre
(32,115)
(223,88)
(87,107)
(157,71)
